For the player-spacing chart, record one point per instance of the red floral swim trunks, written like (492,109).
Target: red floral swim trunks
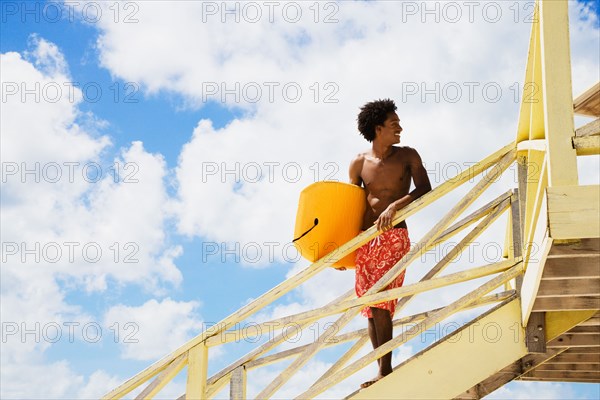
(377,257)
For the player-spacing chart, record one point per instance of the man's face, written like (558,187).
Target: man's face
(390,130)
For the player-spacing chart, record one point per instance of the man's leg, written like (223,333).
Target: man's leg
(380,332)
(373,337)
(384,328)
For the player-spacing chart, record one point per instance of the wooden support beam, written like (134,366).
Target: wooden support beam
(197,372)
(567,303)
(237,385)
(445,368)
(407,335)
(400,322)
(589,129)
(163,378)
(557,92)
(535,333)
(587,145)
(219,379)
(472,218)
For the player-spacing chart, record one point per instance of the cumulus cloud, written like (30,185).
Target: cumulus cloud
(159,327)
(70,223)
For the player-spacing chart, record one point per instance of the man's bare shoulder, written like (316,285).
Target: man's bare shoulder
(407,152)
(359,158)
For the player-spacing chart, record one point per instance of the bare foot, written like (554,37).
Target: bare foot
(370,382)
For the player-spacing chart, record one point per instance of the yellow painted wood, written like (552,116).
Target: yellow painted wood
(329,215)
(559,322)
(163,378)
(587,145)
(195,388)
(536,184)
(307,273)
(523,126)
(456,364)
(344,358)
(536,254)
(574,212)
(362,333)
(535,99)
(589,129)
(534,144)
(494,172)
(237,389)
(558,93)
(421,327)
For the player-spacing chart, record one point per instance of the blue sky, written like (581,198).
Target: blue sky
(151,116)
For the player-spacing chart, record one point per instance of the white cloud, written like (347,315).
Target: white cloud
(160,327)
(51,215)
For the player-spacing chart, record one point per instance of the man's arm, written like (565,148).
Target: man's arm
(355,170)
(422,185)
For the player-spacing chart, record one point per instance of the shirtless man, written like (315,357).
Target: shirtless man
(385,171)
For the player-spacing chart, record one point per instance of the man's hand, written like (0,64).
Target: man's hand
(384,222)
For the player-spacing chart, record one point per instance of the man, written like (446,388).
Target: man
(385,171)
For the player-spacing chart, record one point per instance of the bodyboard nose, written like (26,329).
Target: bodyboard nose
(329,214)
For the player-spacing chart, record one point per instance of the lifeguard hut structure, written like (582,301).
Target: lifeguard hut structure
(548,301)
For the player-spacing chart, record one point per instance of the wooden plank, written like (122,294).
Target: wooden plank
(564,375)
(450,366)
(588,103)
(309,272)
(195,388)
(568,340)
(583,350)
(472,218)
(567,303)
(573,358)
(535,332)
(587,267)
(163,378)
(589,129)
(587,145)
(400,322)
(575,248)
(593,321)
(573,211)
(534,272)
(550,366)
(585,330)
(494,172)
(530,86)
(569,288)
(558,93)
(237,388)
(422,327)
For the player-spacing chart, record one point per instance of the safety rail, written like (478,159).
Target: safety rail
(194,354)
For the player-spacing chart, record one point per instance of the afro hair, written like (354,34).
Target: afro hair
(373,114)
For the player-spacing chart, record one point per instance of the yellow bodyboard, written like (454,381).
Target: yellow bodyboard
(329,214)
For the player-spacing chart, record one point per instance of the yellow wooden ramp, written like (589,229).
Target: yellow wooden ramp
(459,361)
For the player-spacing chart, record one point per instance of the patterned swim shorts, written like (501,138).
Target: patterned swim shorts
(377,257)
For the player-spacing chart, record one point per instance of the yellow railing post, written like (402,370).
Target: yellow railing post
(197,372)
